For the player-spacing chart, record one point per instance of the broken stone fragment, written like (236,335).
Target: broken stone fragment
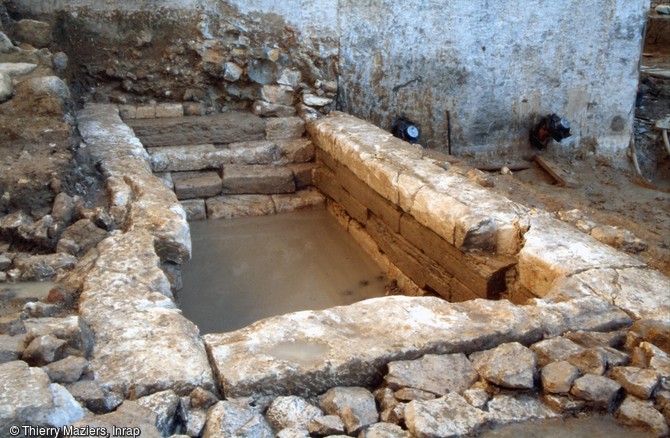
(267,109)
(164,404)
(71,329)
(354,405)
(63,208)
(449,416)
(557,377)
(67,370)
(43,267)
(317,101)
(43,350)
(277,94)
(38,309)
(94,397)
(508,365)
(36,33)
(202,398)
(591,361)
(505,409)
(326,425)
(383,430)
(11,347)
(477,397)
(232,71)
(129,414)
(292,432)
(233,418)
(554,349)
(654,331)
(639,413)
(600,391)
(563,403)
(427,374)
(409,394)
(641,383)
(291,412)
(6,45)
(618,238)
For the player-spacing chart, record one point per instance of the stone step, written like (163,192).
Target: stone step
(189,185)
(233,206)
(219,128)
(257,179)
(209,156)
(216,129)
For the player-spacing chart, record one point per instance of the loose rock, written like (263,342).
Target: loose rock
(449,416)
(557,377)
(636,381)
(591,361)
(637,413)
(43,350)
(236,420)
(6,87)
(554,349)
(600,391)
(291,412)
(355,406)
(67,370)
(505,409)
(428,374)
(508,365)
(94,397)
(326,425)
(383,430)
(164,404)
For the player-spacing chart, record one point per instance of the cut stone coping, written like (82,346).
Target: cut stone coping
(306,353)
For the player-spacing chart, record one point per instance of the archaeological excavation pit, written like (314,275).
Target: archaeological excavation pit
(240,247)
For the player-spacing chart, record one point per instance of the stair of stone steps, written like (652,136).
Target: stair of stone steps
(210,156)
(217,129)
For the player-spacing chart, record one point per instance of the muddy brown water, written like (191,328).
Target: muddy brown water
(247,269)
(597,426)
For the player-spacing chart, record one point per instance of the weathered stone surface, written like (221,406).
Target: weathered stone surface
(590,361)
(599,390)
(618,238)
(220,128)
(67,370)
(192,418)
(639,291)
(43,350)
(11,347)
(27,397)
(638,413)
(291,412)
(6,45)
(303,173)
(656,332)
(292,432)
(449,416)
(85,234)
(5,262)
(36,33)
(563,404)
(278,94)
(231,206)
(409,394)
(557,377)
(236,420)
(354,405)
(164,404)
(326,425)
(14,69)
(94,397)
(350,345)
(266,109)
(71,329)
(301,200)
(202,398)
(63,208)
(508,365)
(318,101)
(477,397)
(284,127)
(6,87)
(614,339)
(383,430)
(125,296)
(296,150)
(189,185)
(257,179)
(43,267)
(554,249)
(256,152)
(195,209)
(164,110)
(554,349)
(188,158)
(505,409)
(428,374)
(129,415)
(636,381)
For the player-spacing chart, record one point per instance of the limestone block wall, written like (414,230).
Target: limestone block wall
(435,230)
(474,77)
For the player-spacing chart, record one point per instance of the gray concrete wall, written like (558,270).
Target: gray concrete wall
(473,74)
(494,66)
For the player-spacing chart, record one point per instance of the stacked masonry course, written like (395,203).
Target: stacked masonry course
(377,366)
